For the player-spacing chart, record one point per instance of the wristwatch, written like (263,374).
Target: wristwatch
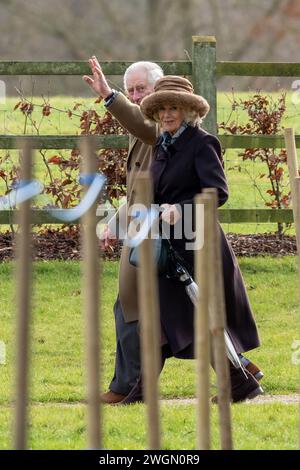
(109,99)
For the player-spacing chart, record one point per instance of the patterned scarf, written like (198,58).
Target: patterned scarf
(169,139)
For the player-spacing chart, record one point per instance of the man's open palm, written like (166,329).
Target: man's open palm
(98,82)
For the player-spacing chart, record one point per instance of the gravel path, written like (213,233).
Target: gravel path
(262,399)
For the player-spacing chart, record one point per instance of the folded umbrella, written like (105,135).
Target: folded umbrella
(180,272)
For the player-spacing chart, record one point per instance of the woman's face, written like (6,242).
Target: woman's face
(170,117)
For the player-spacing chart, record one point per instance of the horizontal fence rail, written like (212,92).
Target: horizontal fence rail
(279,69)
(226,216)
(82,68)
(60,142)
(254,141)
(258,69)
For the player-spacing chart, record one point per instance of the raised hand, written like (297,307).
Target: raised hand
(98,83)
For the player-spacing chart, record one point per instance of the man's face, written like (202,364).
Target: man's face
(138,86)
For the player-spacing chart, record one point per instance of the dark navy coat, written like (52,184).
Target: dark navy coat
(192,163)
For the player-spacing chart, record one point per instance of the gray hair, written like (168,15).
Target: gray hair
(191,117)
(154,71)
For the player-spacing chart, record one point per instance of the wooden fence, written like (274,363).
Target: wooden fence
(204,70)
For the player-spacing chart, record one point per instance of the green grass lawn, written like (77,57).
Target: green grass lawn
(58,364)
(255,427)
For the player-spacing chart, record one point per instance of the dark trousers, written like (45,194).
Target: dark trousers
(127,361)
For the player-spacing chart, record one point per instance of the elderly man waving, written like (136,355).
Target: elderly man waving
(139,80)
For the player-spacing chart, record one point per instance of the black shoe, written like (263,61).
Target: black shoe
(243,388)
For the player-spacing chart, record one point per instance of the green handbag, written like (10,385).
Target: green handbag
(162,255)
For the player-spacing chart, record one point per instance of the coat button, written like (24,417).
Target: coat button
(137,164)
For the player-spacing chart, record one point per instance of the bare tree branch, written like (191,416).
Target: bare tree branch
(257,26)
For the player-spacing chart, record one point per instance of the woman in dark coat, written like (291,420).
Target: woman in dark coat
(187,159)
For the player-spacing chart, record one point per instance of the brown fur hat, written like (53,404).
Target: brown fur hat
(174,91)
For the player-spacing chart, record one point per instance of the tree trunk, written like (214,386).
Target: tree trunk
(153,25)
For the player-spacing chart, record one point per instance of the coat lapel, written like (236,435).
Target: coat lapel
(159,155)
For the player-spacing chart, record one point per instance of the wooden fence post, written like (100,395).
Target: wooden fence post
(296,209)
(297,227)
(217,323)
(202,335)
(91,304)
(149,319)
(292,161)
(204,76)
(23,287)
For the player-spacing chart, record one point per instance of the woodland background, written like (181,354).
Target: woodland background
(246,30)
